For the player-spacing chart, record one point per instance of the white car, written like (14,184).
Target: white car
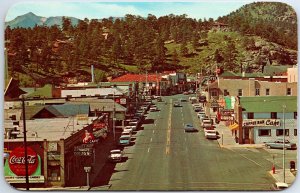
(211,134)
(127,133)
(153,109)
(133,127)
(115,155)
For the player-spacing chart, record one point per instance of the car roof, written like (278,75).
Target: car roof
(115,151)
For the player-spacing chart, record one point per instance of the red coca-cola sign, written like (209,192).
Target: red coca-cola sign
(17,161)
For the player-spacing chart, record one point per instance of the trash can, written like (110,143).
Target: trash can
(292,165)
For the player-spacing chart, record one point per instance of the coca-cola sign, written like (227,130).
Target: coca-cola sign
(17,161)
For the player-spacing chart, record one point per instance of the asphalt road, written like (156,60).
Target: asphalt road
(164,157)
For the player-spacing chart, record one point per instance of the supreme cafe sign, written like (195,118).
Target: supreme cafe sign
(261,122)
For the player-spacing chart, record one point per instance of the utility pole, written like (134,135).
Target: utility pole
(283,152)
(25,143)
(114,118)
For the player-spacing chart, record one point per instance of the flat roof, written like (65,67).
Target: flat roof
(51,129)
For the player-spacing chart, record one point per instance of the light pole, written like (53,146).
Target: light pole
(283,149)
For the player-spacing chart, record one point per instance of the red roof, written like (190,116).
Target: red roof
(138,78)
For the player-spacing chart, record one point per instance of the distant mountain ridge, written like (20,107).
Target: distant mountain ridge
(29,20)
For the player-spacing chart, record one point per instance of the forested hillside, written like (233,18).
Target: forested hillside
(45,54)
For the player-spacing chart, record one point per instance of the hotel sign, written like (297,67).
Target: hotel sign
(261,122)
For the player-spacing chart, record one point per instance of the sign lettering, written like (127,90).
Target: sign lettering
(261,122)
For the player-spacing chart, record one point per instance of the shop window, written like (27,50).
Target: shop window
(240,92)
(54,173)
(295,132)
(279,132)
(295,115)
(264,132)
(257,92)
(250,116)
(273,115)
(214,93)
(288,91)
(267,91)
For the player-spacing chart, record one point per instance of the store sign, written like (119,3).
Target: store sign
(83,150)
(123,101)
(17,161)
(261,122)
(227,118)
(98,125)
(89,138)
(227,112)
(22,179)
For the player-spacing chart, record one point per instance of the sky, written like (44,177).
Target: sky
(99,10)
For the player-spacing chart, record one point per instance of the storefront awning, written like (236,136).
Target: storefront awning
(234,126)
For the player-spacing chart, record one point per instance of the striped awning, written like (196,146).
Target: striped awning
(234,126)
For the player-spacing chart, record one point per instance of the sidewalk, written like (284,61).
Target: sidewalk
(278,176)
(226,138)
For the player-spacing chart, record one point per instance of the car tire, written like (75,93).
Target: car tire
(268,147)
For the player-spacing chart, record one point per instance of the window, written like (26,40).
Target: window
(226,92)
(279,132)
(288,91)
(257,92)
(250,116)
(295,132)
(264,132)
(273,115)
(240,92)
(295,115)
(267,91)
(214,93)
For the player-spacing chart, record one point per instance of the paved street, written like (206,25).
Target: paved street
(164,157)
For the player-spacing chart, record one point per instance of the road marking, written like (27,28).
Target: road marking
(148,149)
(247,158)
(169,131)
(151,139)
(153,131)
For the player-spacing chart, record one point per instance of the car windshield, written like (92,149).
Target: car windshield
(115,151)
(189,125)
(124,138)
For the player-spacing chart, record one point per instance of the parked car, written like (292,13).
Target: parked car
(278,144)
(159,99)
(200,114)
(197,109)
(206,123)
(190,128)
(124,140)
(185,93)
(211,134)
(183,100)
(132,127)
(115,155)
(126,133)
(153,109)
(177,104)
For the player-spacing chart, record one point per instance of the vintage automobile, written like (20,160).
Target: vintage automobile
(211,134)
(280,144)
(177,104)
(115,155)
(189,128)
(124,140)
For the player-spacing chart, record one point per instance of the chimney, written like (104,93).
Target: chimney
(92,72)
